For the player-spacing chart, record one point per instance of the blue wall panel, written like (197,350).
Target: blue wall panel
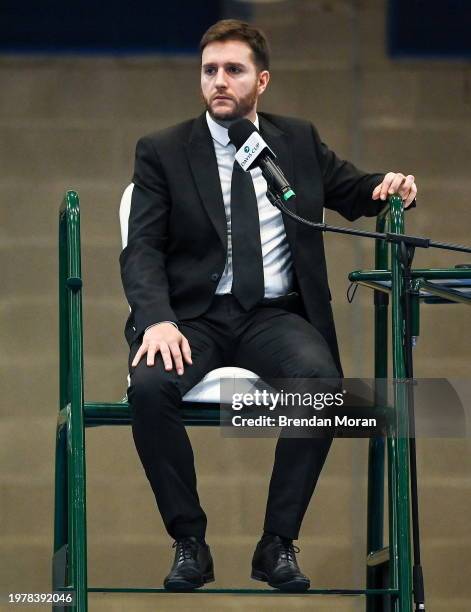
(122,26)
(429,28)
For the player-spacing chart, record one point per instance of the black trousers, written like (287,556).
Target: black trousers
(274,341)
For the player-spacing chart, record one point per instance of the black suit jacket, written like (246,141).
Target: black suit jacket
(177,240)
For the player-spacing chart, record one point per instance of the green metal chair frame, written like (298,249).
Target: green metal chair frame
(75,414)
(387,281)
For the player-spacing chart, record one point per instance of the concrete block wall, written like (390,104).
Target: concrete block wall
(73,122)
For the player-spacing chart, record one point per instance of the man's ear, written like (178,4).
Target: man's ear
(263,79)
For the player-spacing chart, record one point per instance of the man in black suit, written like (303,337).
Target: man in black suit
(212,283)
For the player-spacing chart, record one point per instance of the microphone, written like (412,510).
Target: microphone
(253,151)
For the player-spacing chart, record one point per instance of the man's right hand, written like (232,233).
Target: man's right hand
(171,343)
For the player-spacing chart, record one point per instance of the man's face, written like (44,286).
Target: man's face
(230,81)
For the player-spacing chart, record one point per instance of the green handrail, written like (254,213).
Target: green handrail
(71,395)
(427,273)
(399,440)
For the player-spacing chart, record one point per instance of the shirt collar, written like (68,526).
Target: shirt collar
(220,133)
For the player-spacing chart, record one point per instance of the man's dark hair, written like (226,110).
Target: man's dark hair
(233,29)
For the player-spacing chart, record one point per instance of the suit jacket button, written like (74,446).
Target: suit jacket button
(215,276)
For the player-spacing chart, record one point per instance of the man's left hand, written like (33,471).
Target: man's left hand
(396,182)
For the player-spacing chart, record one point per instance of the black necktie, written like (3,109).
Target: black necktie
(247,262)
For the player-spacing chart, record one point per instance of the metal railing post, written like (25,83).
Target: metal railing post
(72,397)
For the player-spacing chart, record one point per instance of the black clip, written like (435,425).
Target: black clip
(74,283)
(350,293)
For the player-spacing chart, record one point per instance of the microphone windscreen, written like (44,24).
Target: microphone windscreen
(240,130)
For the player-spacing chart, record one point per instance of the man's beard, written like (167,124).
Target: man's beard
(241,108)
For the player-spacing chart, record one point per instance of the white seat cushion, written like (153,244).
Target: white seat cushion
(209,389)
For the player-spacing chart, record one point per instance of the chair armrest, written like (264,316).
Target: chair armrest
(70,302)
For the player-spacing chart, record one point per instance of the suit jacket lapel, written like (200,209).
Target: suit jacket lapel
(279,143)
(203,163)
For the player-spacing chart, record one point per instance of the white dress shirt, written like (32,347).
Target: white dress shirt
(277,261)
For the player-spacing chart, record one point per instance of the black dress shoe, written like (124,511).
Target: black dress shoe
(193,566)
(274,561)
